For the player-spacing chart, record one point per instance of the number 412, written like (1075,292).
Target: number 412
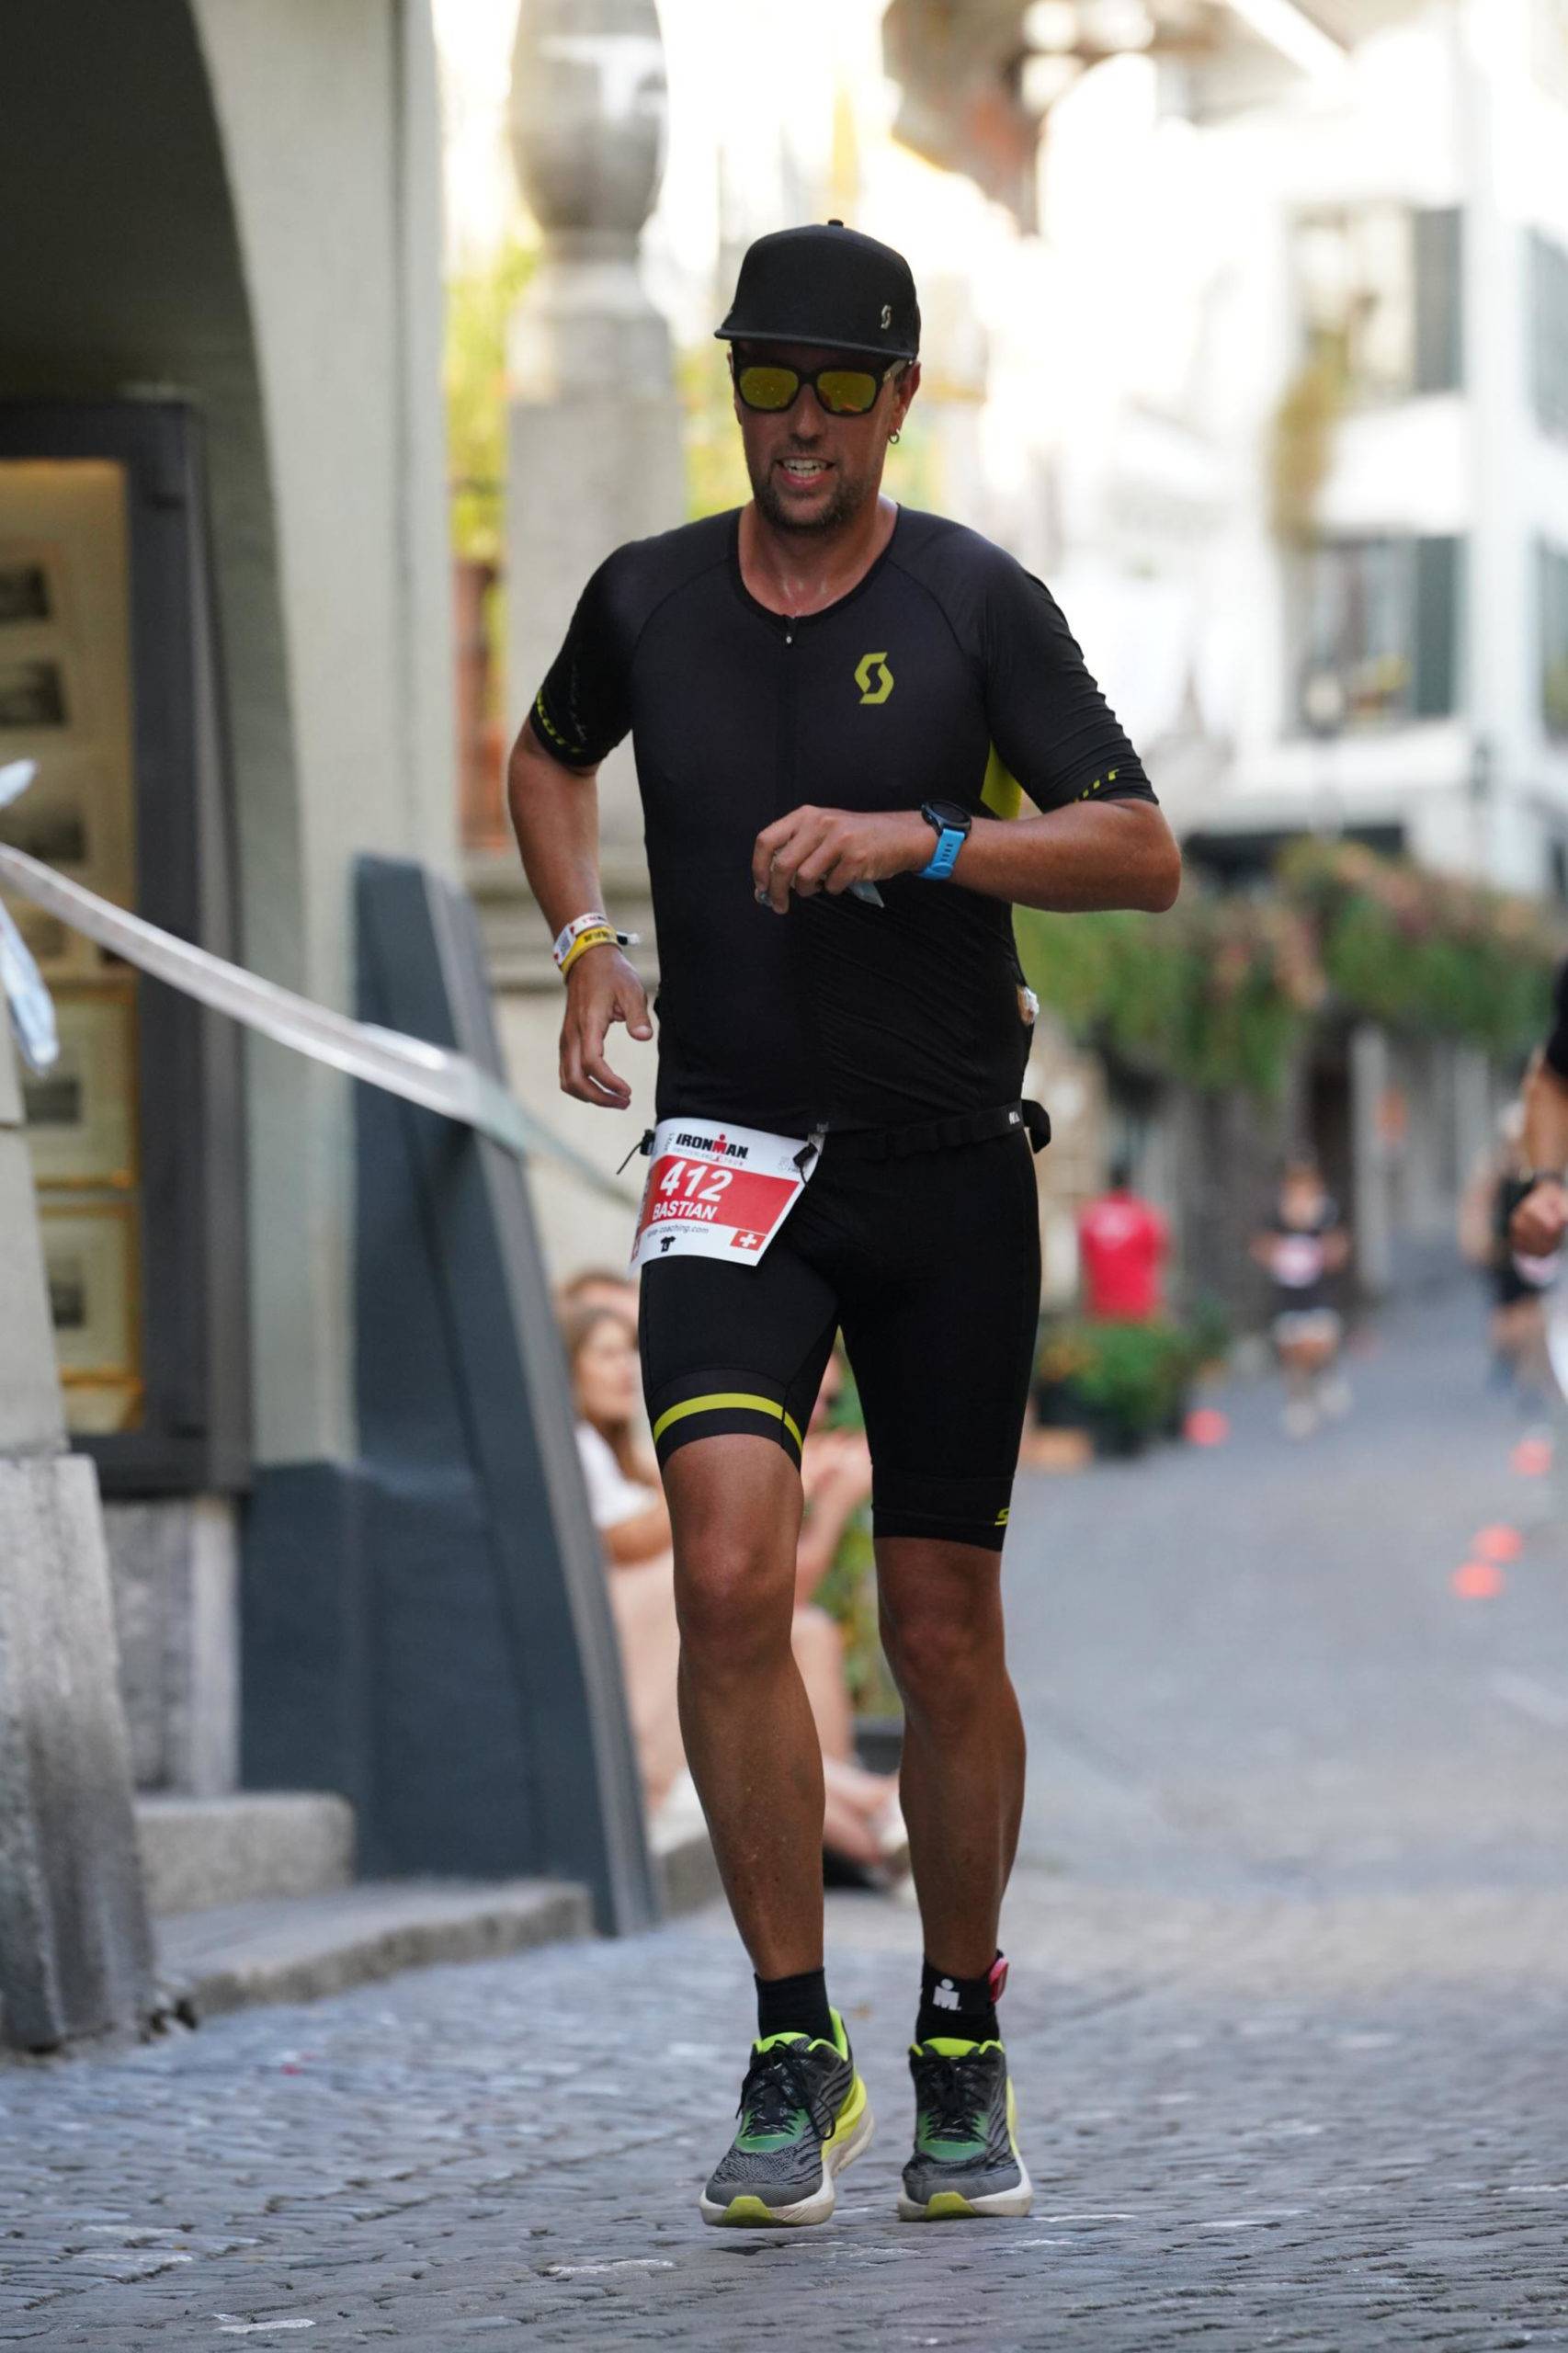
(722,1179)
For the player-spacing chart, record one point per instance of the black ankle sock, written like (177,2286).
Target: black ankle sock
(960,2008)
(794,2006)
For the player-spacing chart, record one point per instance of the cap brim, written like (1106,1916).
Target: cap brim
(818,342)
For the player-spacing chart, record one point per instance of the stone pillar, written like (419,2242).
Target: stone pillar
(594,453)
(75,1949)
(594,459)
(174,1572)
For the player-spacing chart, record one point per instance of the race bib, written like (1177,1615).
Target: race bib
(717,1192)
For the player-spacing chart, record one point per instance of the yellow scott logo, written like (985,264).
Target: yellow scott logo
(873,677)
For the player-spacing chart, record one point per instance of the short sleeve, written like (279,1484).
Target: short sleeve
(1557,1042)
(1052,727)
(584,708)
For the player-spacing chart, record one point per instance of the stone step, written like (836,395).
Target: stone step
(198,1853)
(307,1946)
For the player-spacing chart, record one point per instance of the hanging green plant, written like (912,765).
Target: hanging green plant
(1220,993)
(1426,951)
(1217,993)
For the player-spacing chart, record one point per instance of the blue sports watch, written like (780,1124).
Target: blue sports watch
(952,825)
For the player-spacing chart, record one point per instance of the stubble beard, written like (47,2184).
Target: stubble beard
(848,496)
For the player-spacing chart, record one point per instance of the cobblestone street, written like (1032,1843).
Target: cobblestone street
(1289,1942)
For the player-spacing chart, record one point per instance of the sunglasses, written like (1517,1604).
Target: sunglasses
(770,387)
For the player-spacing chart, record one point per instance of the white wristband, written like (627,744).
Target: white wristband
(567,939)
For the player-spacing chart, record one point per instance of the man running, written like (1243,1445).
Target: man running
(834,705)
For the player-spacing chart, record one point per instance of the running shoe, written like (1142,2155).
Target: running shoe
(966,2158)
(803,2115)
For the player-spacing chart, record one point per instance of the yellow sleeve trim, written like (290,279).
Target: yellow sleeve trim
(727,1400)
(548,723)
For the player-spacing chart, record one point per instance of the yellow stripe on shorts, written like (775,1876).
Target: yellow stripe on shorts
(726,1401)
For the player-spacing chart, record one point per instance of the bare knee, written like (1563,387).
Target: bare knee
(732,1599)
(735,1509)
(947,1662)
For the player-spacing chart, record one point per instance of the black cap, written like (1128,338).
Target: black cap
(828,285)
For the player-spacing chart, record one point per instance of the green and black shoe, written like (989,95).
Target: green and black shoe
(966,2158)
(803,2114)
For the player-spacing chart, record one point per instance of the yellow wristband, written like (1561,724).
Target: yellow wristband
(600,937)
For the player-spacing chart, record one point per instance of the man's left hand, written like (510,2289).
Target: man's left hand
(827,849)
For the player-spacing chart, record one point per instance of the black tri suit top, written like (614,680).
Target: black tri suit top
(948,673)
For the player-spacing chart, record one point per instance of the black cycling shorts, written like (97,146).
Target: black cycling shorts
(930,1266)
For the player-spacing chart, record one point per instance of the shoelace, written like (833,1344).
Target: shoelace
(953,2094)
(773,2091)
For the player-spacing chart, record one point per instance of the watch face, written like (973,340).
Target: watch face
(948,813)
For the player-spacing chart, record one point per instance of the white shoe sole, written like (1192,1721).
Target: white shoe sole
(750,2214)
(951,2206)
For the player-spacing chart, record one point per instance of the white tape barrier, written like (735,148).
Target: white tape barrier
(419,1073)
(21,984)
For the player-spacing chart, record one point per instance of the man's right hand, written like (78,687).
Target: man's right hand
(1537,1226)
(601,988)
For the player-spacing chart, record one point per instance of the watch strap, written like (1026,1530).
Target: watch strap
(950,839)
(945,857)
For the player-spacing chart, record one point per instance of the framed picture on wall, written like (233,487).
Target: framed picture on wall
(32,694)
(91,1254)
(82,1113)
(25,591)
(104,573)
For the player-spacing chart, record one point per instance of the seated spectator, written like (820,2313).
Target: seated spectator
(835,1480)
(862,1824)
(598,1287)
(630,1513)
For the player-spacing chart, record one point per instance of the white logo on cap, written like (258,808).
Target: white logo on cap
(887,316)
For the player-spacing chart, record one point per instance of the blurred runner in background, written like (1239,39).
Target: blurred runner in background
(1541,1195)
(1301,1249)
(1122,1245)
(1517,1325)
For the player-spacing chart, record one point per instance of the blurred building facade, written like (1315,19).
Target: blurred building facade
(224,640)
(1298,471)
(1245,329)
(1298,346)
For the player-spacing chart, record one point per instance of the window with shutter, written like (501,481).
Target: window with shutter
(1436,626)
(1439,310)
(1553,576)
(1378,632)
(1355,282)
(1549,331)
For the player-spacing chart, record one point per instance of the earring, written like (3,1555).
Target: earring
(893,435)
